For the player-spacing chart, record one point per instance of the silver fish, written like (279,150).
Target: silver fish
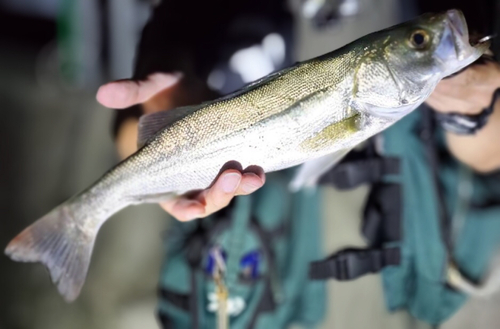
(314,112)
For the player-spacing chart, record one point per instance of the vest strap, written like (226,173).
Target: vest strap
(179,300)
(352,263)
(352,173)
(382,217)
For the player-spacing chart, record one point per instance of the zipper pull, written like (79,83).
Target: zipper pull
(221,291)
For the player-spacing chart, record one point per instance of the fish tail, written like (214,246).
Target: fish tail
(62,244)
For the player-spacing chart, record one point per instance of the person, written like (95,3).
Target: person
(176,55)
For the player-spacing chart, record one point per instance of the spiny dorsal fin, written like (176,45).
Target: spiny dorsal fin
(151,124)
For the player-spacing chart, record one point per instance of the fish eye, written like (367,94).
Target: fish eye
(419,39)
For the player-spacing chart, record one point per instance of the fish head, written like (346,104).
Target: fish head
(398,68)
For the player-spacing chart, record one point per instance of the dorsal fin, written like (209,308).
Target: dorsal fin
(151,124)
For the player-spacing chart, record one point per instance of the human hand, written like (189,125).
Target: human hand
(468,92)
(163,91)
(231,181)
(158,92)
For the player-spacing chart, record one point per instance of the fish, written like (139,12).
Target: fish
(312,113)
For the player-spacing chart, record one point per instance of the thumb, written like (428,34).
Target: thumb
(125,93)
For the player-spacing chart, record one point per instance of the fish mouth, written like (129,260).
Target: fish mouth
(454,50)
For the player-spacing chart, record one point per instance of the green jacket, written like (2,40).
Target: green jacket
(418,283)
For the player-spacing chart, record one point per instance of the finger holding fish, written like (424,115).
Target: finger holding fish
(230,183)
(468,92)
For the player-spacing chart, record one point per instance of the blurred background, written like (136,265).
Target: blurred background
(55,140)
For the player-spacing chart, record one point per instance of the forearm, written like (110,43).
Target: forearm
(480,151)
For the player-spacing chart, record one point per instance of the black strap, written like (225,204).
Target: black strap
(195,245)
(179,300)
(462,124)
(350,264)
(352,173)
(278,231)
(382,214)
(268,301)
(165,321)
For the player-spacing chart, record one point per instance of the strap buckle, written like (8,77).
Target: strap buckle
(352,173)
(349,264)
(354,263)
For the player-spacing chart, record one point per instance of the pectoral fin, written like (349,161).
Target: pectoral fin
(310,172)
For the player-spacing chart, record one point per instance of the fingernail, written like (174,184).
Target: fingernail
(249,188)
(230,182)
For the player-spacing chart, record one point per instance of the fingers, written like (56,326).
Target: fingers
(230,183)
(468,92)
(184,209)
(457,90)
(452,96)
(222,192)
(446,103)
(251,181)
(125,93)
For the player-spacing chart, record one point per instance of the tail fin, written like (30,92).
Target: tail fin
(64,247)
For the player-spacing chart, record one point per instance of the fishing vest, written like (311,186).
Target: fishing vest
(415,220)
(424,209)
(265,241)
